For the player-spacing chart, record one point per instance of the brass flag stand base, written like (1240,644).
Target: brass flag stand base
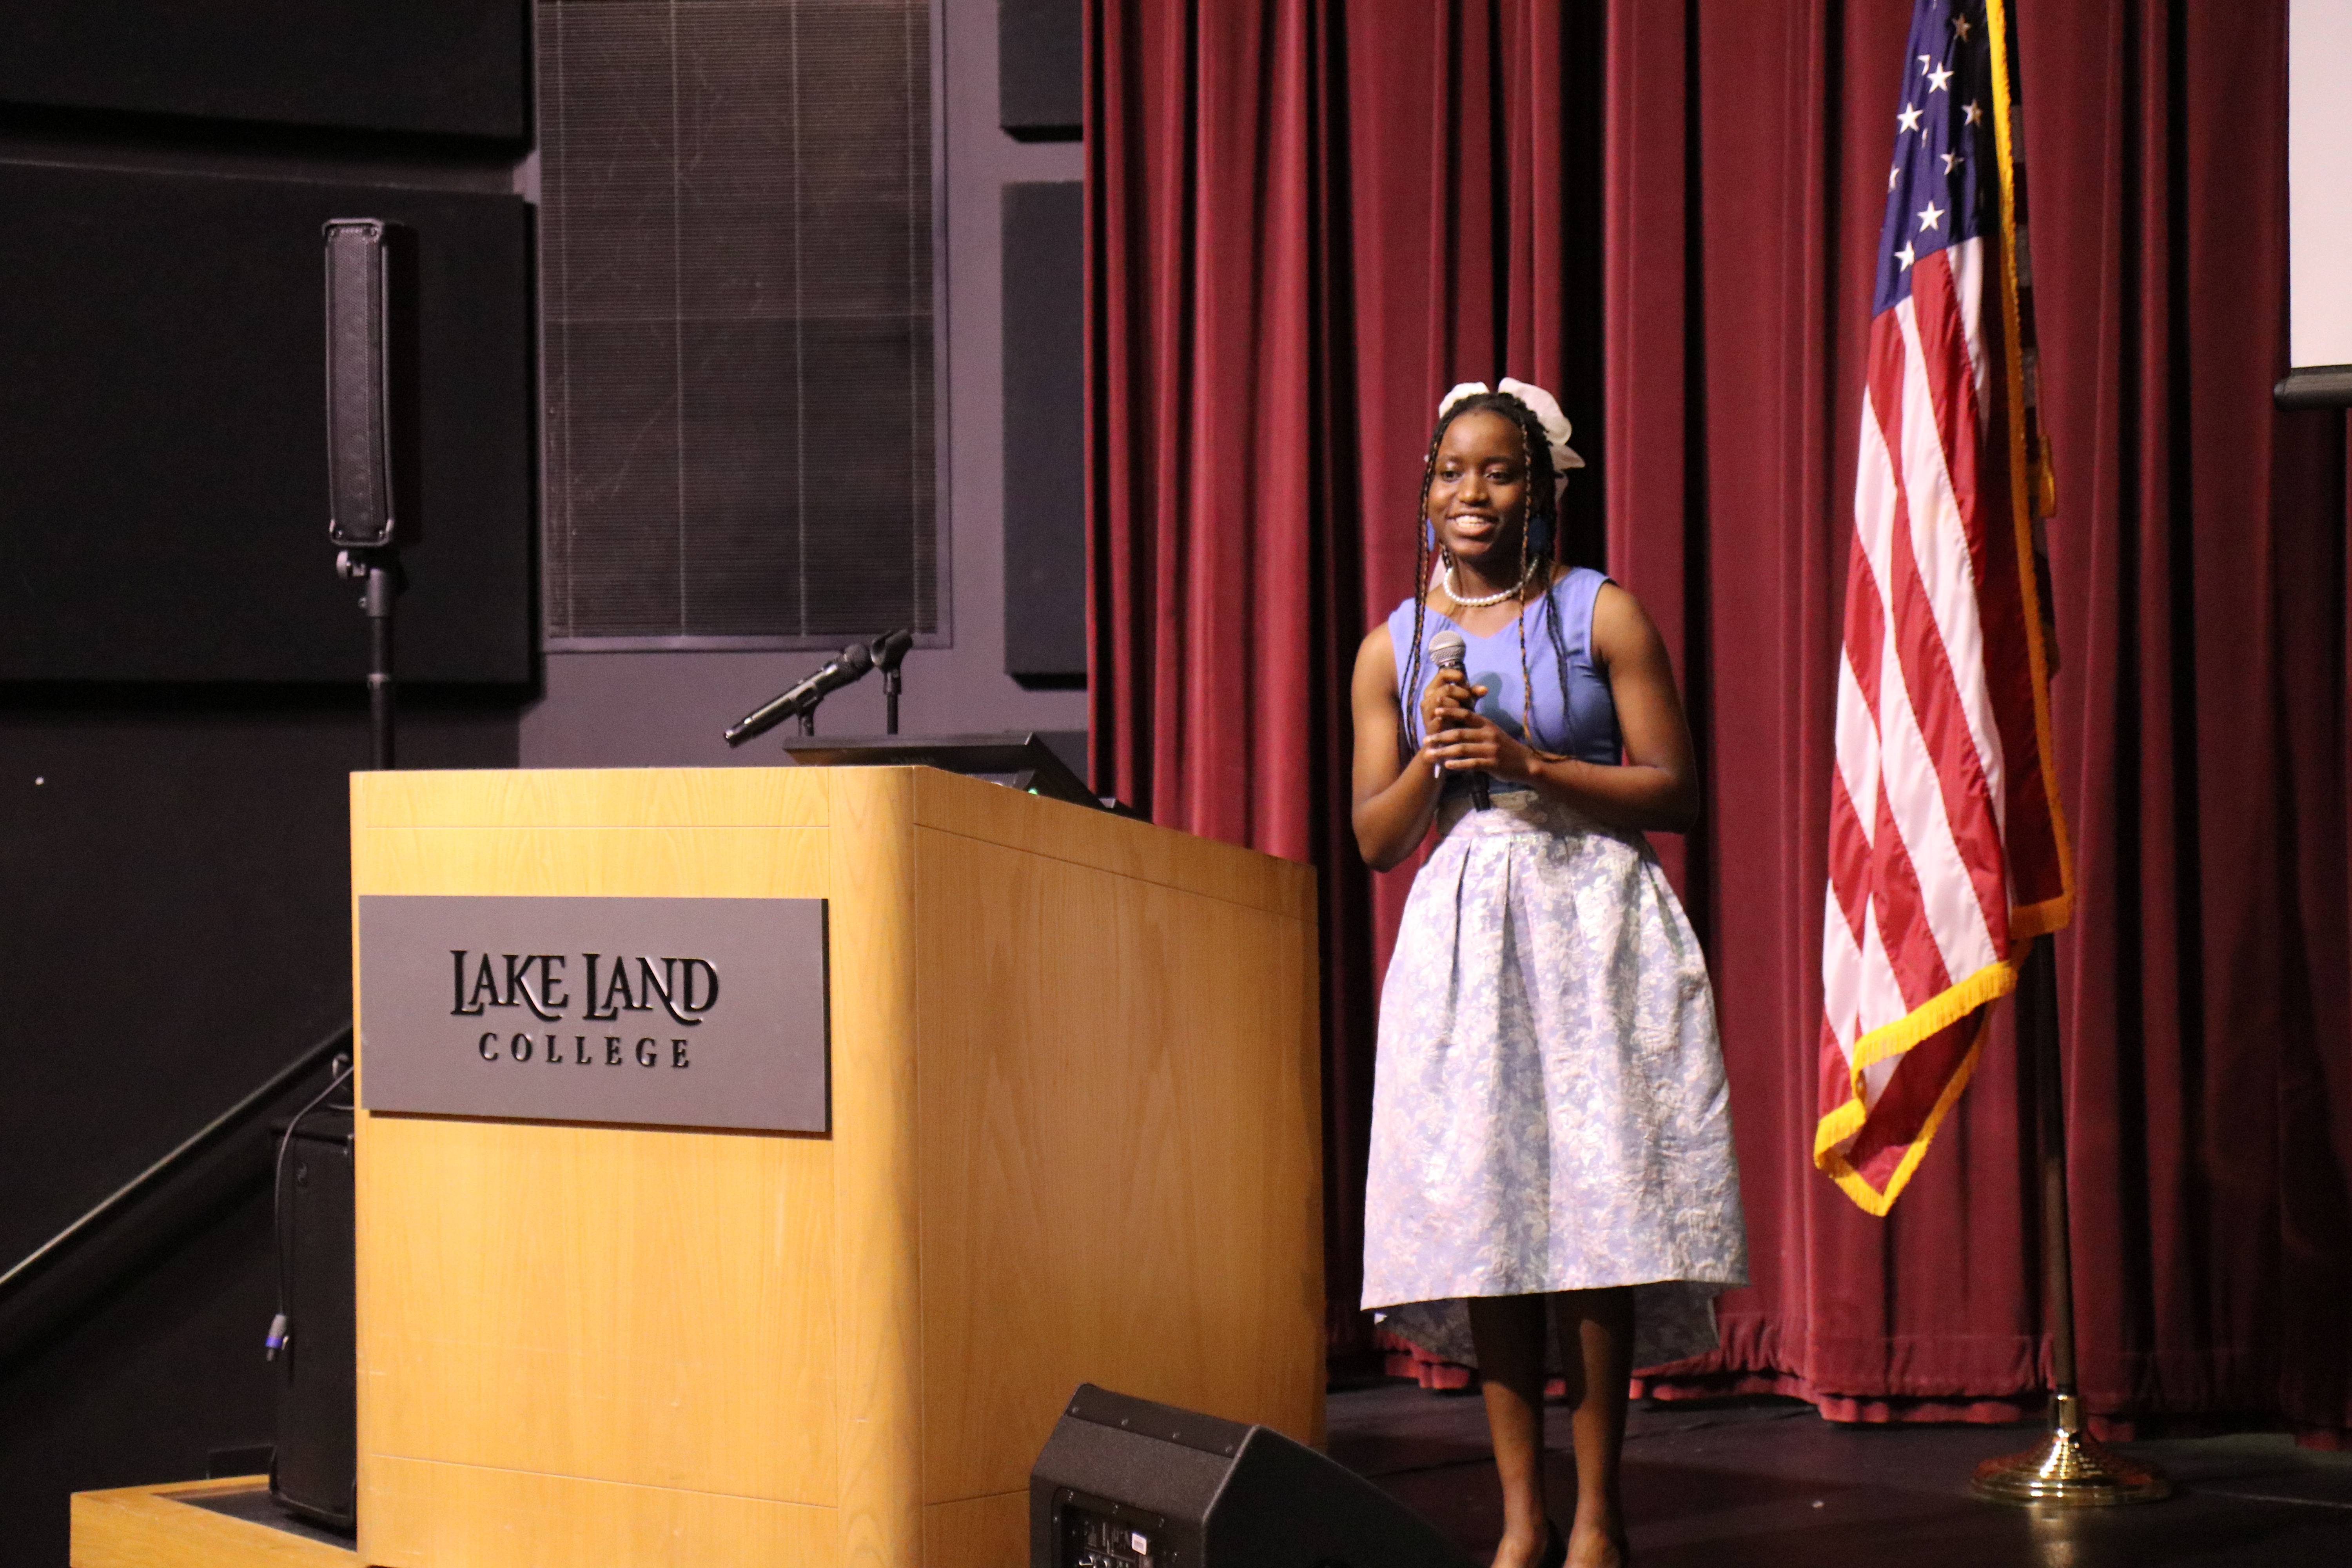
(2069,1469)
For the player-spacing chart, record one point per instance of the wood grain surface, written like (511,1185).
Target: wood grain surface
(651,1310)
(874,1140)
(621,1304)
(978,1533)
(1075,1111)
(1120,1115)
(465,1516)
(158,1527)
(595,797)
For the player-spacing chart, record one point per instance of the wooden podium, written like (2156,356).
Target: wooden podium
(1074,1115)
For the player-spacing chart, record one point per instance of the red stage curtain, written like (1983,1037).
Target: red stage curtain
(1300,233)
(1306,220)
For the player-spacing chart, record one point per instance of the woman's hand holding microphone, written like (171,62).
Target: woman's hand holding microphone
(1456,738)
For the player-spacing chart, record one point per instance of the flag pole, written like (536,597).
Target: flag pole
(2069,1467)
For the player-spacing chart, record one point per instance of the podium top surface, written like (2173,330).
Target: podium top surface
(861,798)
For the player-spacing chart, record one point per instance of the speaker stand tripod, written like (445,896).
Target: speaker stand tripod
(379,570)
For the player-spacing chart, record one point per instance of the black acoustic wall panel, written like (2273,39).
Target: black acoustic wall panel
(449,66)
(739,310)
(1039,67)
(1044,433)
(163,433)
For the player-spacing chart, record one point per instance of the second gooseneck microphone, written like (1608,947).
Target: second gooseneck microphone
(1448,650)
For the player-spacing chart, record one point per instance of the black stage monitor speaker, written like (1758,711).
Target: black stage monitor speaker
(1125,1483)
(370,380)
(316,1475)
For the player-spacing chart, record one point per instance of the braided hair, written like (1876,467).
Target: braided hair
(1542,520)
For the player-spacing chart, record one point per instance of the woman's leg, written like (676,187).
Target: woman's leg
(1596,1338)
(1508,1332)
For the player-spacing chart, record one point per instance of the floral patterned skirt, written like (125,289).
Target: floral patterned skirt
(1548,1107)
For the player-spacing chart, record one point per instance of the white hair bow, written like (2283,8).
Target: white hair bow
(1544,406)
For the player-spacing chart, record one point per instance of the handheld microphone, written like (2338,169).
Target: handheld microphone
(834,673)
(1448,650)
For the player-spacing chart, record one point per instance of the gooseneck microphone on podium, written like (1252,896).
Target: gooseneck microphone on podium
(889,651)
(800,700)
(1448,650)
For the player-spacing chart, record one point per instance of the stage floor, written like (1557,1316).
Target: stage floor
(1747,1484)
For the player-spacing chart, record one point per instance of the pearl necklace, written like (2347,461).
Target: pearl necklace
(1495,598)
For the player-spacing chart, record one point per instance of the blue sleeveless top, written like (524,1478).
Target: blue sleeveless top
(1579,723)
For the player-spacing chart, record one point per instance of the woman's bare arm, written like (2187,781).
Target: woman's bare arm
(1394,802)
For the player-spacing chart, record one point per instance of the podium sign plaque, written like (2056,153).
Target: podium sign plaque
(645,1011)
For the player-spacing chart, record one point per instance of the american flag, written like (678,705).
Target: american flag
(1948,851)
